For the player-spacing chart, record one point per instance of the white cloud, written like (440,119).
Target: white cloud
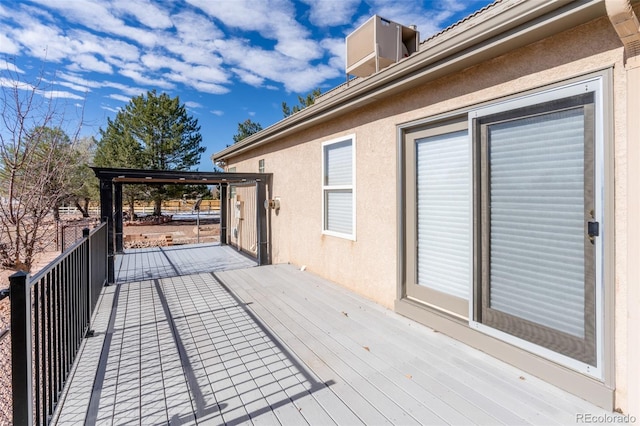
(111,49)
(331,13)
(78,83)
(192,104)
(217,112)
(90,63)
(82,49)
(296,75)
(75,87)
(10,67)
(308,79)
(337,50)
(54,94)
(137,76)
(119,97)
(248,15)
(95,14)
(184,70)
(212,88)
(195,29)
(127,90)
(110,109)
(78,80)
(299,48)
(250,78)
(274,20)
(7,45)
(145,12)
(21,85)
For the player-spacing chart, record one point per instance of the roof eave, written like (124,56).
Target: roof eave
(490,33)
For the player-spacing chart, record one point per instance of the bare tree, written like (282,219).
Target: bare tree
(83,186)
(36,160)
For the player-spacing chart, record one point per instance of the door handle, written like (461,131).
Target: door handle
(593,230)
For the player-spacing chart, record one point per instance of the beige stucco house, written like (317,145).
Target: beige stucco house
(486,185)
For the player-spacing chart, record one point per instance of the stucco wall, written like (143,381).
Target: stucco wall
(368,265)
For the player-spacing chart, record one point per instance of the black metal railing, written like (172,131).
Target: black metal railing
(50,316)
(70,232)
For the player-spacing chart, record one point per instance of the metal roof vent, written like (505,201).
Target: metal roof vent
(378,43)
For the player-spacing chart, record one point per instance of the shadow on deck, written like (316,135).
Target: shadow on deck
(275,345)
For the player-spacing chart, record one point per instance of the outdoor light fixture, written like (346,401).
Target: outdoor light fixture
(272,204)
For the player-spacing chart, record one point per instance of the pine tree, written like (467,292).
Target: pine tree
(151,132)
(245,129)
(303,102)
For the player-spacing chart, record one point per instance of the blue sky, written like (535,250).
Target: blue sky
(227,60)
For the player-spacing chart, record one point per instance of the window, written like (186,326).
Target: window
(261,166)
(338,178)
(504,218)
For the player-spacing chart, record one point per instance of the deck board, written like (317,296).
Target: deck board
(365,380)
(193,342)
(455,380)
(174,261)
(457,362)
(396,383)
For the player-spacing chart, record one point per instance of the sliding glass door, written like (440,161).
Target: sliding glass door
(440,195)
(537,227)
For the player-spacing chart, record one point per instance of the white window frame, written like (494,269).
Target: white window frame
(351,187)
(595,85)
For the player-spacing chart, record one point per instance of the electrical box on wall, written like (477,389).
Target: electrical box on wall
(378,43)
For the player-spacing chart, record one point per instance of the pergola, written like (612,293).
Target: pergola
(112,179)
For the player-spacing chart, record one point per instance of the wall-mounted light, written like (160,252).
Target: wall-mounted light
(272,204)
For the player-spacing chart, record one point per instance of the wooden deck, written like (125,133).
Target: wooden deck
(174,261)
(274,345)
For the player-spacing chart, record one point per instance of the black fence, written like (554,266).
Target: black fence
(50,316)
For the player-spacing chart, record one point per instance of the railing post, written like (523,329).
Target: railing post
(89,290)
(21,353)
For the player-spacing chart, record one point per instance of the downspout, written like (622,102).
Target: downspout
(625,22)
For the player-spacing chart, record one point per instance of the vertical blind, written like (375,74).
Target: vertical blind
(339,211)
(536,192)
(338,190)
(443,197)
